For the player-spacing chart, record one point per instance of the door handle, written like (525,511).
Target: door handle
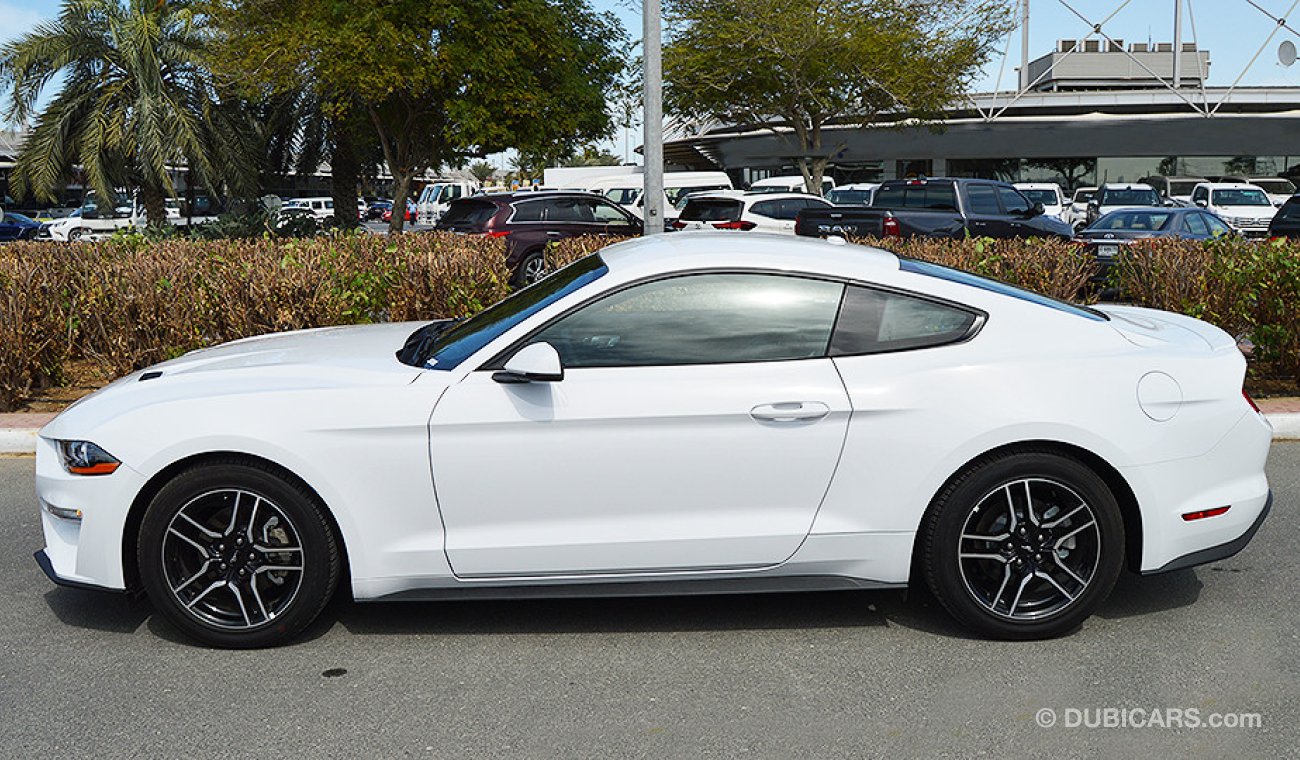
(790,411)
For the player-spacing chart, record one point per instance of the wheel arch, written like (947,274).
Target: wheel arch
(1115,481)
(135,515)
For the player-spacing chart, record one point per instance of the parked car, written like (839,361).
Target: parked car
(297,221)
(436,197)
(17,227)
(1246,207)
(940,208)
(628,190)
(322,208)
(788,183)
(1076,213)
(375,211)
(529,221)
(412,212)
(1278,189)
(683,413)
(1114,196)
(745,211)
(1110,236)
(1047,193)
(855,194)
(1176,189)
(1286,223)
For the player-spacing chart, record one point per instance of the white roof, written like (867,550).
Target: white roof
(748,250)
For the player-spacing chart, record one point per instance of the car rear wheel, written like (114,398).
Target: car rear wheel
(531,269)
(1024,545)
(75,234)
(237,557)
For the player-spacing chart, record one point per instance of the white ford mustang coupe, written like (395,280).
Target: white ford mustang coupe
(690,413)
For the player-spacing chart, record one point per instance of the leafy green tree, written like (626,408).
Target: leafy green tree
(1072,170)
(439,81)
(799,66)
(482,172)
(590,155)
(136,101)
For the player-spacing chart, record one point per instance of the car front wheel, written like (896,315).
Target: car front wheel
(1023,545)
(235,556)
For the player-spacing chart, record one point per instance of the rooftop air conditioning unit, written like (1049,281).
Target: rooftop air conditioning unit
(1092,46)
(1138,47)
(1165,47)
(1116,46)
(1066,46)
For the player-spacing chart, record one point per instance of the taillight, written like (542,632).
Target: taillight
(679,225)
(736,225)
(1250,401)
(890,228)
(497,233)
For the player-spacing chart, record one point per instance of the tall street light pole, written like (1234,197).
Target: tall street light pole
(653,121)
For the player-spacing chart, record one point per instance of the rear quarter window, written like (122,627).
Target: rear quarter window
(877,321)
(468,213)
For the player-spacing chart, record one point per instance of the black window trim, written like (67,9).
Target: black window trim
(498,360)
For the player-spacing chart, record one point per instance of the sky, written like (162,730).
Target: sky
(1232,30)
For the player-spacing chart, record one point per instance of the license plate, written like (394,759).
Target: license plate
(1107,251)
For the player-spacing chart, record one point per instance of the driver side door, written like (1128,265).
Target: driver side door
(696,427)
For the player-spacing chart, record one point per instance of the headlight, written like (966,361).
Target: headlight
(85,458)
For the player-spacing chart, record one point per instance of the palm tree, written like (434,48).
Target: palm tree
(136,101)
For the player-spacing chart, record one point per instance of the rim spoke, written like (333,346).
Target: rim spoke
(252,518)
(195,577)
(1006,578)
(200,547)
(1067,569)
(234,515)
(1060,520)
(1029,505)
(276,549)
(1058,586)
(257,597)
(1077,530)
(1019,593)
(215,585)
(273,568)
(1011,508)
(991,539)
(201,529)
(997,557)
(234,589)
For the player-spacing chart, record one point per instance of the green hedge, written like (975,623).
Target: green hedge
(129,303)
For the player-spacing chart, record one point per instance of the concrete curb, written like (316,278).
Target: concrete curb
(1286,427)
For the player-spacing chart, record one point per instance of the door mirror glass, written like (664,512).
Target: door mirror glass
(536,362)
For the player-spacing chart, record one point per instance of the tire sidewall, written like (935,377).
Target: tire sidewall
(320,561)
(954,506)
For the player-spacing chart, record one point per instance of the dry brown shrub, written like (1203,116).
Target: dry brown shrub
(33,323)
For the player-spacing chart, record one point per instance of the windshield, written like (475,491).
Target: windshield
(466,338)
(1135,197)
(1045,197)
(1083,196)
(623,196)
(1145,221)
(676,194)
(1182,187)
(1247,196)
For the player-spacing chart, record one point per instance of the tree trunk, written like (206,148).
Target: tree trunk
(345,172)
(401,189)
(155,206)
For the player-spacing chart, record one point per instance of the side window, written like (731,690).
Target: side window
(607,213)
(769,209)
(983,200)
(1217,227)
(1196,224)
(528,211)
(876,321)
(700,319)
(1013,202)
(567,210)
(1200,194)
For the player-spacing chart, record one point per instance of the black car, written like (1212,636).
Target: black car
(375,211)
(1108,237)
(1286,222)
(529,221)
(18,227)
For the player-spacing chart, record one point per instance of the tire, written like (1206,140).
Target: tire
(75,234)
(1023,545)
(530,270)
(236,557)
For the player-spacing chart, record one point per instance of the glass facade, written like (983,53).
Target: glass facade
(1072,172)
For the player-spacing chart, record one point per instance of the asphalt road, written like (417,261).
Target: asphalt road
(849,674)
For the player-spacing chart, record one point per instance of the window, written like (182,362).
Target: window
(1135,197)
(918,194)
(1217,227)
(1045,197)
(700,319)
(875,321)
(1146,221)
(1200,194)
(1244,197)
(529,211)
(983,200)
(623,195)
(1290,209)
(711,210)
(1196,224)
(469,213)
(1013,202)
(605,213)
(769,209)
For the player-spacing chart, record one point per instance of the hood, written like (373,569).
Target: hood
(355,347)
(1247,212)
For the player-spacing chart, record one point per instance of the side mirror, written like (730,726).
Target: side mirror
(1035,210)
(1094,203)
(1202,203)
(1169,203)
(537,362)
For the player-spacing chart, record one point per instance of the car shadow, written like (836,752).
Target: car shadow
(1136,595)
(97,610)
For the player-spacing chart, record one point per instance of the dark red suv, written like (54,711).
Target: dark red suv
(530,220)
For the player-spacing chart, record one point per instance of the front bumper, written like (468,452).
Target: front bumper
(1216,553)
(43,560)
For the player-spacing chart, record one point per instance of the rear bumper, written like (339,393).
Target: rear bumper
(1216,553)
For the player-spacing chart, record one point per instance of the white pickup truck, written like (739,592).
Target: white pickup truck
(436,197)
